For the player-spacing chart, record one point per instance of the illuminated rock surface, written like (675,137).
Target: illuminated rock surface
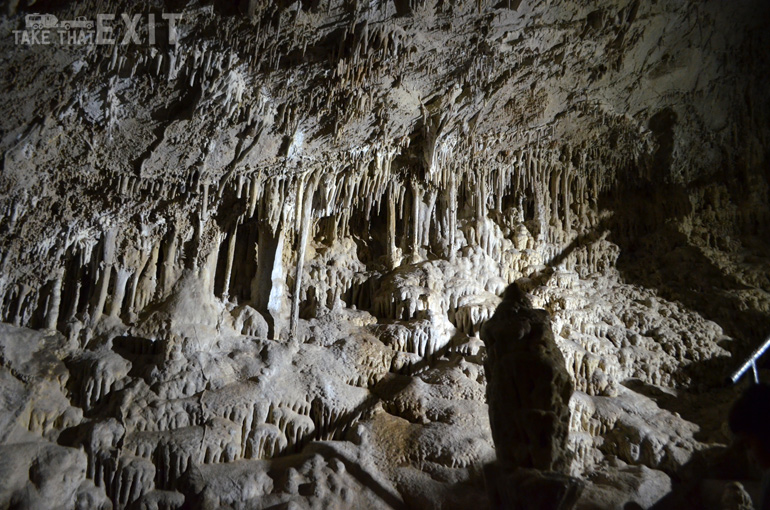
(249,270)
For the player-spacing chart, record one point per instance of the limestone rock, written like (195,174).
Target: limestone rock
(528,387)
(245,257)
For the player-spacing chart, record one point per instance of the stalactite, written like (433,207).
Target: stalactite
(75,300)
(267,286)
(452,226)
(121,279)
(393,254)
(105,273)
(147,285)
(415,220)
(52,312)
(167,275)
(205,200)
(18,316)
(229,264)
(305,193)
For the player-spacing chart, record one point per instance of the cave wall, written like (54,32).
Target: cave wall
(275,241)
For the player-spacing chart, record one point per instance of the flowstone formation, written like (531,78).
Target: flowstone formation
(245,256)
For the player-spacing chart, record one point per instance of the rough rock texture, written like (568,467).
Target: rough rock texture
(528,386)
(249,269)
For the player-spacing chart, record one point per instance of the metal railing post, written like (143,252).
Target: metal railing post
(751,362)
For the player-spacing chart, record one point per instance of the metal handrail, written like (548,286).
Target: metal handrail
(751,363)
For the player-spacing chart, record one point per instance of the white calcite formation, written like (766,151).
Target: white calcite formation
(248,268)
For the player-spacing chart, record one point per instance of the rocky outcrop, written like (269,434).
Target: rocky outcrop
(528,386)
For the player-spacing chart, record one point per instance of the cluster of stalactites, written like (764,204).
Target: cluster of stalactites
(533,181)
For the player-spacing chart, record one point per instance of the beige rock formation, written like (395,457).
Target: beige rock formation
(528,386)
(245,257)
